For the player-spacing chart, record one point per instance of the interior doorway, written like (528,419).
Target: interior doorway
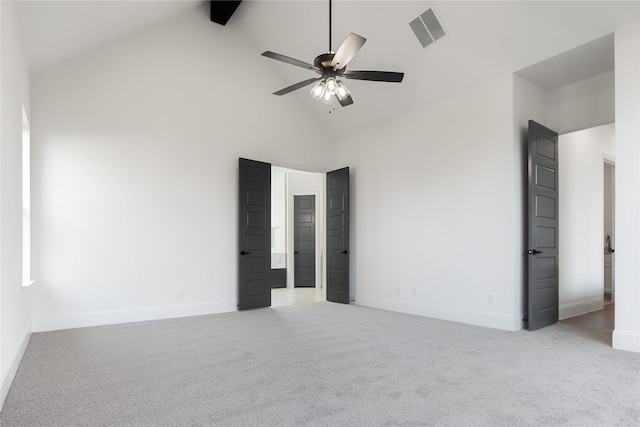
(300,275)
(259,238)
(587,206)
(584,208)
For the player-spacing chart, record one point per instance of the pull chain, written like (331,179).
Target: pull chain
(332,105)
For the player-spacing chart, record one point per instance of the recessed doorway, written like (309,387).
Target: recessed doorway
(584,237)
(258,236)
(297,247)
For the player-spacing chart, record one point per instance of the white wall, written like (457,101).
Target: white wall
(579,105)
(15,300)
(428,152)
(581,157)
(586,103)
(435,210)
(115,240)
(278,217)
(135,160)
(626,335)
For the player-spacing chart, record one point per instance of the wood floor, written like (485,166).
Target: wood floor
(597,326)
(597,320)
(294,296)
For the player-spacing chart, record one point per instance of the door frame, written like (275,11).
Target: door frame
(320,235)
(605,159)
(321,221)
(608,160)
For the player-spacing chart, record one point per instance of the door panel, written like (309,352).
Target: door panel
(304,241)
(338,236)
(543,264)
(609,230)
(254,265)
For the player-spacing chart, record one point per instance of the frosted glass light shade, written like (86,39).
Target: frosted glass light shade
(318,91)
(342,92)
(331,85)
(326,98)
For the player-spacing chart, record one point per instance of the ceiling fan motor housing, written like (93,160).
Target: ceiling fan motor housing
(323,62)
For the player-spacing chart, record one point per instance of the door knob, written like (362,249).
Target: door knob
(245,253)
(344,252)
(296,252)
(533,252)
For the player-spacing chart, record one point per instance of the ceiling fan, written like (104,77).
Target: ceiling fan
(331,66)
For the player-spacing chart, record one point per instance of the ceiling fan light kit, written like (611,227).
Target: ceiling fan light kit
(325,90)
(332,65)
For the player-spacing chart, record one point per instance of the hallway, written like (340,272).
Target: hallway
(293,296)
(598,324)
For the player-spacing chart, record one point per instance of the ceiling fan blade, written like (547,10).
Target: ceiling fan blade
(375,76)
(346,101)
(347,50)
(296,86)
(289,60)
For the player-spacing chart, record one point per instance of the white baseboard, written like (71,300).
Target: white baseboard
(478,318)
(577,308)
(111,317)
(7,377)
(626,340)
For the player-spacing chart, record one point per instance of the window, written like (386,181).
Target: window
(26,201)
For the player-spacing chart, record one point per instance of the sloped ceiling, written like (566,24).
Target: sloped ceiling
(56,31)
(485,40)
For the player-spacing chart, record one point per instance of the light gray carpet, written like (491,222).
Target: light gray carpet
(322,364)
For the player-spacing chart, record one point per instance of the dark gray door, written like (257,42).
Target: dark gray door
(338,236)
(254,241)
(304,241)
(543,227)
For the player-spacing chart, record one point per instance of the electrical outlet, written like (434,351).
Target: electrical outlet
(491,298)
(180,293)
(413,292)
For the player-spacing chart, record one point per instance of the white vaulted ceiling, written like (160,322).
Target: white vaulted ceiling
(56,31)
(485,40)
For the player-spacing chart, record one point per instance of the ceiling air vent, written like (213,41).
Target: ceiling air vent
(427,28)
